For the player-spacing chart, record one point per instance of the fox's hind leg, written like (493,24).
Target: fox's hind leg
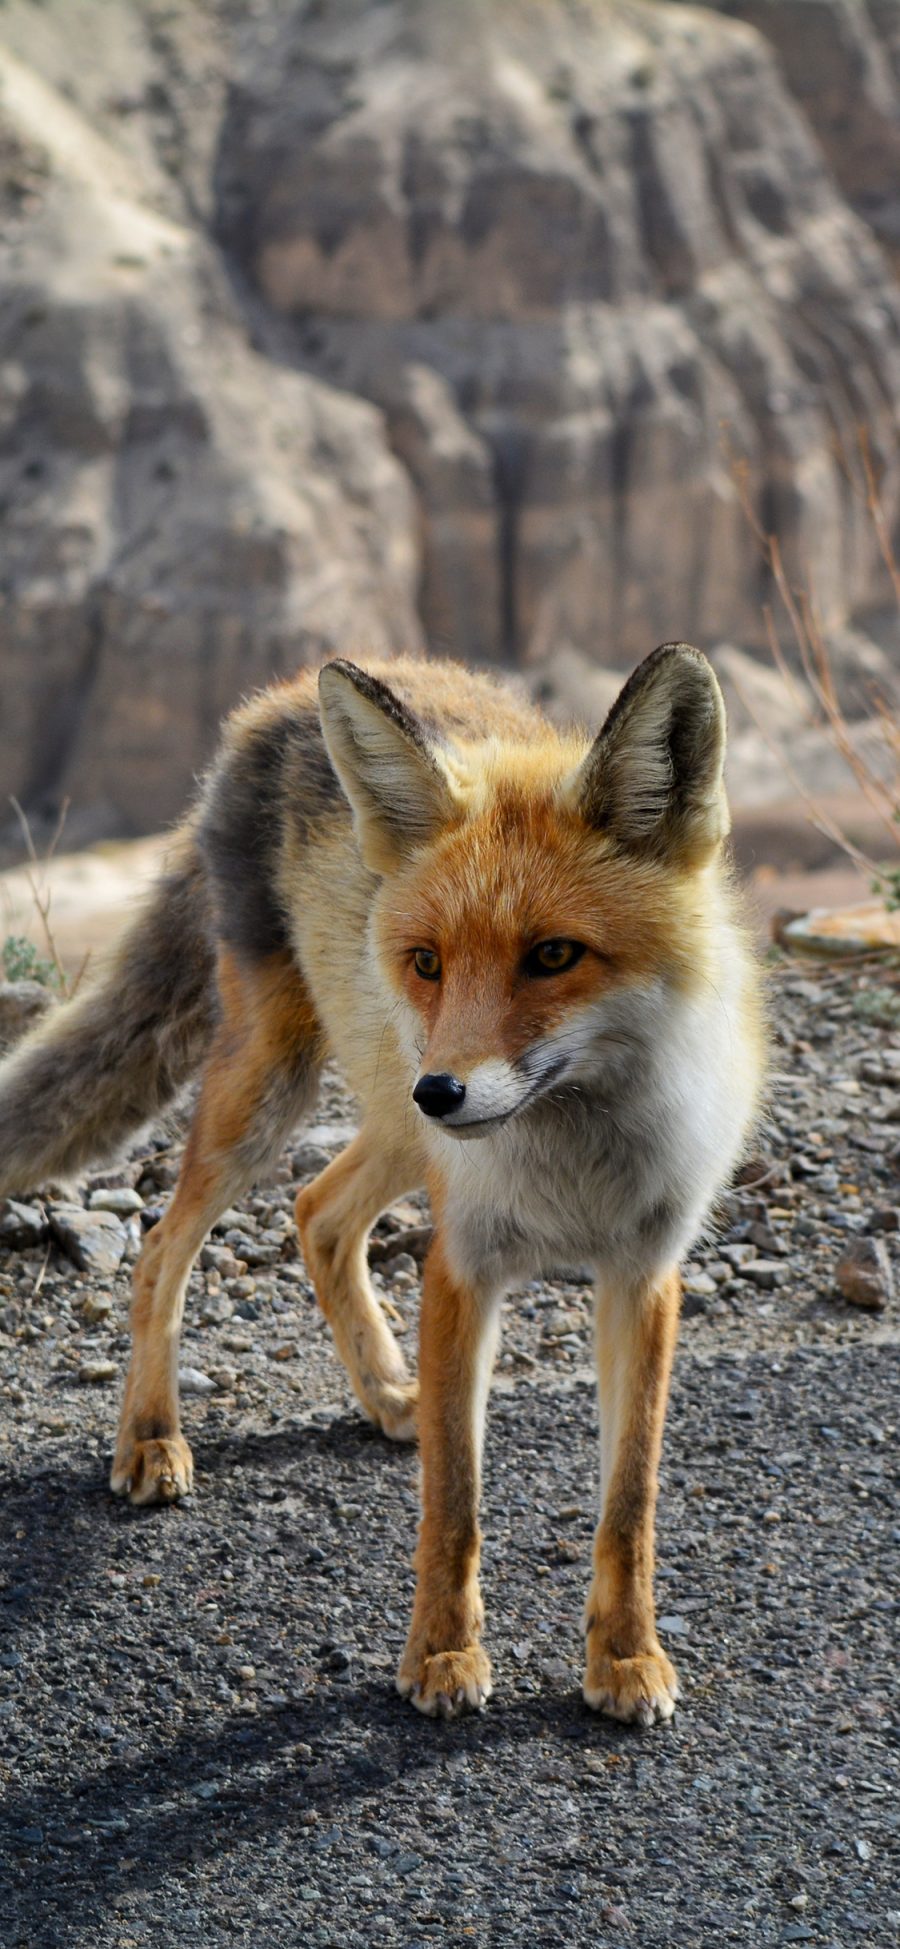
(261,1075)
(334,1217)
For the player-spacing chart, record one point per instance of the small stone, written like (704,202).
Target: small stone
(221,1259)
(231,1220)
(883,1069)
(21,1005)
(864,1274)
(251,1251)
(225,1379)
(215,1309)
(96,1307)
(95,1240)
(21,1225)
(95,1373)
(738,1255)
(400,1262)
(766,1273)
(310,1159)
(885,1219)
(700,1282)
(119,1199)
(192,1381)
(763,1238)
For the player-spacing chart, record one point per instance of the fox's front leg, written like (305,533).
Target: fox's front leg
(444,1668)
(628,1674)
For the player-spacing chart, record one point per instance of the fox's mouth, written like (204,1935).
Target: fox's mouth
(482,1126)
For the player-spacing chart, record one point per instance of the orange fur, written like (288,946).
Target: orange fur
(607,1099)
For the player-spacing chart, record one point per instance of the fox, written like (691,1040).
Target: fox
(524,948)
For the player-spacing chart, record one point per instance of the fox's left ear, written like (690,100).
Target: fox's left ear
(653,776)
(389,768)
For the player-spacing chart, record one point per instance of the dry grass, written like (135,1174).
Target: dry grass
(814,689)
(19,958)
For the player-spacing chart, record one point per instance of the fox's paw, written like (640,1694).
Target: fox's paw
(446,1684)
(393,1406)
(641,1690)
(153,1471)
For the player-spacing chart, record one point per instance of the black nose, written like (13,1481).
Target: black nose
(438,1095)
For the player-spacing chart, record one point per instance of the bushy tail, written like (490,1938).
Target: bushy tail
(100,1066)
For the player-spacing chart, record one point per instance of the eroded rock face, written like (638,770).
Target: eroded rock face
(842,62)
(568,250)
(183,519)
(360,323)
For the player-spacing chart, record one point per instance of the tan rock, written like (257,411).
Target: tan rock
(597,228)
(862,929)
(865,1275)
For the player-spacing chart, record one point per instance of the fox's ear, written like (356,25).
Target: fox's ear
(387,765)
(653,776)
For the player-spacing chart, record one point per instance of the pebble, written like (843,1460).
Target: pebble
(94,1373)
(234,1221)
(766,1273)
(251,1250)
(21,1002)
(96,1307)
(119,1199)
(885,1219)
(225,1379)
(95,1240)
(21,1225)
(192,1380)
(310,1159)
(738,1255)
(400,1262)
(221,1259)
(864,1274)
(215,1309)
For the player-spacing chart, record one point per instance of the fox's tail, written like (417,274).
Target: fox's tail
(100,1066)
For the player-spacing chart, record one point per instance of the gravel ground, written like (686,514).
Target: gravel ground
(199,1738)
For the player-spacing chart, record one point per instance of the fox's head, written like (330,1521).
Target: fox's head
(526,889)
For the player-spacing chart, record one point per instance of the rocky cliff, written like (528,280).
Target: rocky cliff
(362,323)
(567,249)
(182,518)
(841,59)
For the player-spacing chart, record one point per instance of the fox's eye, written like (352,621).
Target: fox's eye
(427,963)
(551,957)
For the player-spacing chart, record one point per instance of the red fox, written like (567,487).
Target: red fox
(522,948)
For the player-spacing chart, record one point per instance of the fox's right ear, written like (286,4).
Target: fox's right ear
(653,776)
(389,768)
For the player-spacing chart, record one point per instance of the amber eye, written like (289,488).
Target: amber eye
(552,957)
(427,963)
